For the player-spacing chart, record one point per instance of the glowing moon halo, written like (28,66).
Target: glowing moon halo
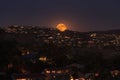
(61,27)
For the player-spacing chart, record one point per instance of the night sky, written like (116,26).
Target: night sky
(80,15)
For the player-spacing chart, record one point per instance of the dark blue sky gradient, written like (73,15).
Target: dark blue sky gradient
(81,15)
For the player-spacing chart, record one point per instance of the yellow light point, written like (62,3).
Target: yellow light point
(61,27)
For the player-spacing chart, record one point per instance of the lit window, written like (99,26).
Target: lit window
(82,78)
(59,71)
(48,72)
(53,71)
(42,58)
(21,79)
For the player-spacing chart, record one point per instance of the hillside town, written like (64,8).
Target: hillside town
(36,53)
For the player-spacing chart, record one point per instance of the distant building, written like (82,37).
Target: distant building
(57,73)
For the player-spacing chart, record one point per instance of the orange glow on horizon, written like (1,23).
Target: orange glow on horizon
(61,27)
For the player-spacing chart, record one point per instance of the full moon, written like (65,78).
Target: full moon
(61,27)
